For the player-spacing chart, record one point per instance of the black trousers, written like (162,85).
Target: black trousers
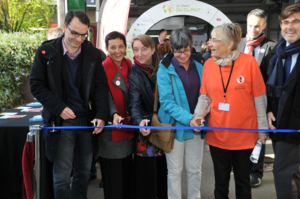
(286,170)
(150,178)
(223,161)
(258,169)
(117,177)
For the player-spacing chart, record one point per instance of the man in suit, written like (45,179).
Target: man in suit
(256,44)
(162,35)
(283,90)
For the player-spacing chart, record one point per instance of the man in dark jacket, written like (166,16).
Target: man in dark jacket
(256,44)
(283,90)
(67,77)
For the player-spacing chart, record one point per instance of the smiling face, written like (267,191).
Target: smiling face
(219,47)
(255,26)
(117,50)
(75,33)
(290,28)
(142,53)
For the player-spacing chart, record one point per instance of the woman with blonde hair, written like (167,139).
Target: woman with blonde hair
(233,93)
(150,178)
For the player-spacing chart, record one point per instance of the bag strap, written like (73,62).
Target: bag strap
(156,95)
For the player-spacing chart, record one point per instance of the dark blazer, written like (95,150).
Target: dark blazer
(266,46)
(49,80)
(286,109)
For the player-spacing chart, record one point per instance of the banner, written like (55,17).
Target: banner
(113,16)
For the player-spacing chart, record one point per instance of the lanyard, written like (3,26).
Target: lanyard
(225,88)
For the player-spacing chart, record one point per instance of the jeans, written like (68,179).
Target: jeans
(74,146)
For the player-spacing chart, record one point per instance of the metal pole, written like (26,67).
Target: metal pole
(36,129)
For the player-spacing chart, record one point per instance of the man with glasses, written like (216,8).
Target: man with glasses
(256,44)
(283,91)
(68,78)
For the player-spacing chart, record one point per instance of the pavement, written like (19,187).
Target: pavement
(265,191)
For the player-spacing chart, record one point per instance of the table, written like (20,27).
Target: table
(13,134)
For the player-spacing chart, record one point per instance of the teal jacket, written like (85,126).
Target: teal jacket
(175,106)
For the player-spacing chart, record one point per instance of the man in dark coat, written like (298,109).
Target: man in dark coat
(256,44)
(68,78)
(283,90)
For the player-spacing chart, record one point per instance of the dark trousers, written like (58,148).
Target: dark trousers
(117,177)
(287,170)
(223,161)
(150,178)
(258,169)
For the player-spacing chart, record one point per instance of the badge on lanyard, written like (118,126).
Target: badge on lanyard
(222,105)
(118,81)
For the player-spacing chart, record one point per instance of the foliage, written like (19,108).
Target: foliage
(17,51)
(19,15)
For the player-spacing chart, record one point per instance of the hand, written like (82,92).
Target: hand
(144,132)
(263,138)
(67,114)
(270,119)
(196,121)
(97,122)
(117,119)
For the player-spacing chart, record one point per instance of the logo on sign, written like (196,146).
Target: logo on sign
(168,7)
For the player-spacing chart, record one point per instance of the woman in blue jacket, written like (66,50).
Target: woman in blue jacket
(179,81)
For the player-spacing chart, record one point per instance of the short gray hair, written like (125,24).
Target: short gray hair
(230,32)
(258,13)
(181,38)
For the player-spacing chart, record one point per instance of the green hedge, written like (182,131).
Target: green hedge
(17,51)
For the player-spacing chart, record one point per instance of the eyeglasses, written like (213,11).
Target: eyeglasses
(179,53)
(214,40)
(76,34)
(294,23)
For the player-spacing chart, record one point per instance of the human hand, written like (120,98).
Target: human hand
(117,119)
(97,122)
(197,121)
(271,119)
(67,114)
(263,138)
(144,132)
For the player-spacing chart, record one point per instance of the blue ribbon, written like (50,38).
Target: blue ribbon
(173,127)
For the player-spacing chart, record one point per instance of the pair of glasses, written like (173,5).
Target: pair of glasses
(214,40)
(294,23)
(76,34)
(179,53)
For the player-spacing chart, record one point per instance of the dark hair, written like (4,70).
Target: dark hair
(162,30)
(258,13)
(82,16)
(288,11)
(114,35)
(181,38)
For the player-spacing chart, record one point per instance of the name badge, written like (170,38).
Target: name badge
(223,106)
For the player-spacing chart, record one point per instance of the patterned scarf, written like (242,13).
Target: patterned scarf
(228,60)
(276,69)
(149,70)
(255,42)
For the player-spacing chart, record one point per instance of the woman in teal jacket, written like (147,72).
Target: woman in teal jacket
(179,81)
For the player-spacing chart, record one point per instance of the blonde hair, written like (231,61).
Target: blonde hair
(229,32)
(146,40)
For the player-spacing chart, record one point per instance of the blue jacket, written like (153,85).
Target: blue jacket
(175,106)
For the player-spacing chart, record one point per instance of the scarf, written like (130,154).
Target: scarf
(228,60)
(118,95)
(276,69)
(149,70)
(250,43)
